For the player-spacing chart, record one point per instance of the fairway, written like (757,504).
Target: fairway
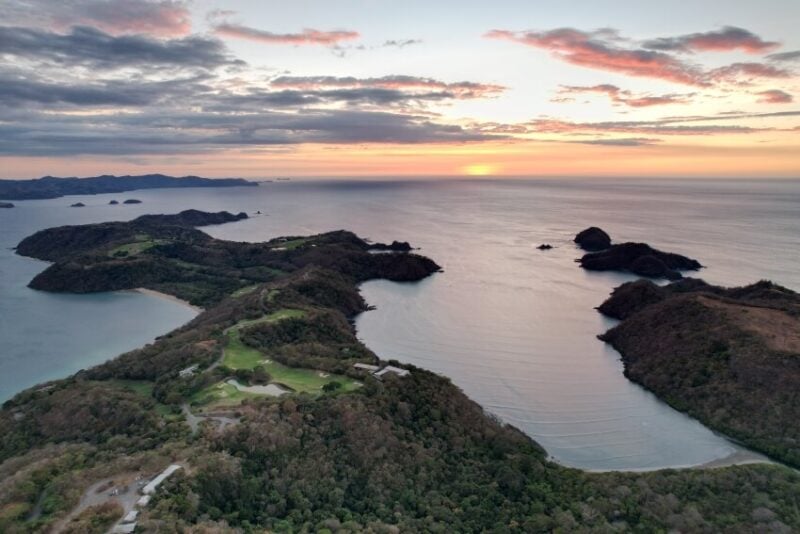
(137,247)
(221,394)
(239,356)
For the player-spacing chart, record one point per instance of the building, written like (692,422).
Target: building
(390,369)
(153,485)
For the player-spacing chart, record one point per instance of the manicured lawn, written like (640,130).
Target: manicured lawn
(137,247)
(271,318)
(240,356)
(306,380)
(221,394)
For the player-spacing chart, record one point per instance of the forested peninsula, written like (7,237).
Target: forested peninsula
(282,421)
(55,187)
(729,357)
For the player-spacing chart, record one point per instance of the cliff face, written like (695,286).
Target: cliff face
(729,357)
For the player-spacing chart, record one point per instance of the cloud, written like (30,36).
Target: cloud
(461,90)
(306,37)
(591,50)
(603,50)
(633,127)
(730,115)
(164,18)
(745,72)
(400,43)
(625,141)
(785,56)
(92,48)
(775,96)
(18,92)
(174,132)
(727,39)
(623,97)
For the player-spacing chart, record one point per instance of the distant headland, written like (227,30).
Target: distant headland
(54,187)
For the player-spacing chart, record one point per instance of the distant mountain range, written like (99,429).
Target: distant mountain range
(53,187)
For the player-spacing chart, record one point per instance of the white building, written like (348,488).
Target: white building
(153,485)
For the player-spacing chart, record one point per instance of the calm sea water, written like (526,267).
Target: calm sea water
(513,326)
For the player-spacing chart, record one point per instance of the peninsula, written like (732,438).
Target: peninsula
(728,357)
(53,187)
(266,414)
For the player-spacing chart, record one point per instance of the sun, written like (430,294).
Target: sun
(479,170)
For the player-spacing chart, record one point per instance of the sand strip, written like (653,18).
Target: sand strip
(154,293)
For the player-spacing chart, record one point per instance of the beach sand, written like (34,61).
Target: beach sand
(741,457)
(154,293)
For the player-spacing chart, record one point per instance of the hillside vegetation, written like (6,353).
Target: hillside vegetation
(729,357)
(401,454)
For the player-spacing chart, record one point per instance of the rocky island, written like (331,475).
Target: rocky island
(284,422)
(637,258)
(54,187)
(729,357)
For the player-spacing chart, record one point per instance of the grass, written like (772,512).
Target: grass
(306,380)
(142,387)
(244,291)
(221,394)
(145,389)
(290,245)
(240,356)
(137,247)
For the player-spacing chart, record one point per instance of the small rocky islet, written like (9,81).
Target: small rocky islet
(637,258)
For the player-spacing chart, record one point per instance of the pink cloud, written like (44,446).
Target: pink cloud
(306,37)
(556,126)
(589,50)
(775,96)
(727,39)
(626,98)
(743,72)
(462,90)
(602,50)
(161,18)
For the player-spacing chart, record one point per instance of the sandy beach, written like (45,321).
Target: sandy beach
(154,293)
(741,457)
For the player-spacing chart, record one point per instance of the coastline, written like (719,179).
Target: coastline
(740,457)
(159,294)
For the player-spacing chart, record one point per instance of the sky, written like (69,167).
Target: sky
(371,88)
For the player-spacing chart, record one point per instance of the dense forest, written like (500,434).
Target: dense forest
(396,454)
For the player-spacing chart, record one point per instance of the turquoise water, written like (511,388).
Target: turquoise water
(47,336)
(513,326)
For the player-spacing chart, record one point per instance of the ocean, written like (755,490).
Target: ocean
(513,326)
